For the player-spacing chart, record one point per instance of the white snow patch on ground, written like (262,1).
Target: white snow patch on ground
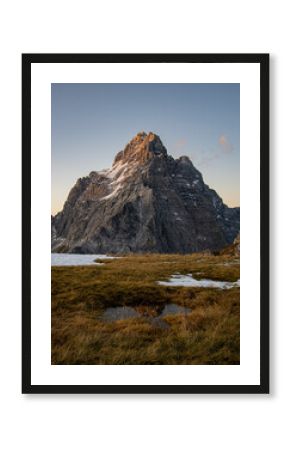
(71,259)
(189,281)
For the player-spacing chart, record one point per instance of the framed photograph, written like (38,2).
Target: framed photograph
(145,223)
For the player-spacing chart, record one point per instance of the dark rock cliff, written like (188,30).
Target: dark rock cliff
(147,202)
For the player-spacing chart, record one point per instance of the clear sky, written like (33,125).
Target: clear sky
(92,122)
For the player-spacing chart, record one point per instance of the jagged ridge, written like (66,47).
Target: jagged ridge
(146,202)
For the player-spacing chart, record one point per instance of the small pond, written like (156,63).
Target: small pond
(127,312)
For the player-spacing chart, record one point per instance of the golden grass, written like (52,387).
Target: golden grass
(208,335)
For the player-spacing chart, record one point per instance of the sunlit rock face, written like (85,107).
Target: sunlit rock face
(146,202)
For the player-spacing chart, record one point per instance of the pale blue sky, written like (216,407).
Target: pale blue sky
(92,122)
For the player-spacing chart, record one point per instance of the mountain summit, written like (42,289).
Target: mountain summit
(141,148)
(146,202)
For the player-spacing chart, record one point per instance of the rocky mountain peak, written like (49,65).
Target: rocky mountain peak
(141,148)
(146,202)
(185,160)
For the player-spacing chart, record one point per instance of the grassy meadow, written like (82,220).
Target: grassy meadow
(209,334)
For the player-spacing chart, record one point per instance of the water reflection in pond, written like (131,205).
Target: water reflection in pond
(172,308)
(120,313)
(127,312)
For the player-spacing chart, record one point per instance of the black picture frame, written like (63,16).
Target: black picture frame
(263,60)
